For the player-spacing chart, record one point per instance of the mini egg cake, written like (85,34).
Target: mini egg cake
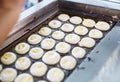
(72,38)
(67,27)
(81,30)
(88,23)
(34,39)
(36,53)
(45,31)
(58,35)
(55,75)
(63,17)
(8,58)
(94,33)
(87,42)
(22,48)
(63,47)
(78,52)
(51,57)
(1,67)
(41,81)
(75,20)
(8,75)
(24,77)
(38,69)
(48,43)
(68,62)
(103,26)
(55,24)
(22,63)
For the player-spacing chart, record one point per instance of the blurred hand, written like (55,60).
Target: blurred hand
(12,4)
(9,13)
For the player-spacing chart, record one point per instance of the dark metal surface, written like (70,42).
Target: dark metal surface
(92,6)
(110,4)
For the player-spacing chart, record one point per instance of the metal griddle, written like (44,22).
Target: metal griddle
(103,62)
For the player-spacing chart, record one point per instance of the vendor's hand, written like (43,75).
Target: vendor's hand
(12,4)
(9,14)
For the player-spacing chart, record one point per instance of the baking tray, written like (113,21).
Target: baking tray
(42,20)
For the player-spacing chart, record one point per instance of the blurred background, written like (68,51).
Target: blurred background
(30,3)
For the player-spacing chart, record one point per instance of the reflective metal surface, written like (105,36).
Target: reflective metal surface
(111,4)
(93,6)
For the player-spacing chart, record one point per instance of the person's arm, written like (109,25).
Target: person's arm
(9,13)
